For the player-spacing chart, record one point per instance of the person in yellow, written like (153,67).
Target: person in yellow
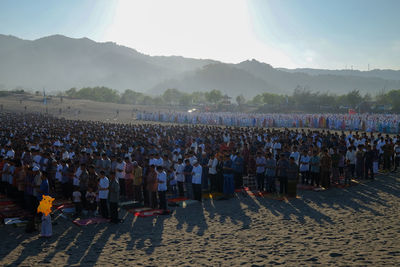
(137,182)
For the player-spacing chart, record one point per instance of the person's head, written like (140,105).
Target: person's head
(159,168)
(187,162)
(102,173)
(195,163)
(76,188)
(291,159)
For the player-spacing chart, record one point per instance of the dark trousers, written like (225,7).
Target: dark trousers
(153,200)
(220,183)
(213,182)
(83,197)
(238,177)
(122,187)
(197,191)
(78,208)
(137,193)
(396,163)
(180,189)
(162,200)
(103,208)
(283,185)
(271,187)
(114,211)
(315,178)
(386,162)
(369,168)
(352,169)
(260,181)
(326,179)
(305,177)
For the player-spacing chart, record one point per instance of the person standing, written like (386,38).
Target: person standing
(282,167)
(305,167)
(103,188)
(113,198)
(137,173)
(180,177)
(293,175)
(212,172)
(120,175)
(270,172)
(188,170)
(369,162)
(315,169)
(162,188)
(326,166)
(238,163)
(351,156)
(229,186)
(196,180)
(152,186)
(260,169)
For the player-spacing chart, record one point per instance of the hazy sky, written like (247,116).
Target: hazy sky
(285,33)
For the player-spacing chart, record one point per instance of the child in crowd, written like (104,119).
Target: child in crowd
(173,183)
(91,201)
(347,173)
(77,200)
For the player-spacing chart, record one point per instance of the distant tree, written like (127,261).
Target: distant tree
(240,100)
(131,97)
(214,96)
(186,100)
(172,96)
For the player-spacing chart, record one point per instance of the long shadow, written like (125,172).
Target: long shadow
(193,217)
(362,196)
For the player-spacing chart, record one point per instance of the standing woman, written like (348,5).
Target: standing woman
(152,186)
(220,173)
(113,198)
(229,186)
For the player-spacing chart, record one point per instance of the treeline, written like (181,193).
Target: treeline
(169,97)
(302,100)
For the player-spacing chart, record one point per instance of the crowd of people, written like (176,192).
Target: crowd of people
(384,123)
(97,164)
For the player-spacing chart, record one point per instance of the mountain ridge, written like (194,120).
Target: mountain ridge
(58,62)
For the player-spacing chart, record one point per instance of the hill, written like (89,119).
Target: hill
(58,63)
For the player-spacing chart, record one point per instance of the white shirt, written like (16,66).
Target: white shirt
(212,165)
(296,156)
(120,170)
(76,196)
(179,172)
(103,183)
(304,163)
(162,177)
(351,156)
(196,178)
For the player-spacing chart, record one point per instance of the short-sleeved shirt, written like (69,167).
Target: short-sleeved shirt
(103,183)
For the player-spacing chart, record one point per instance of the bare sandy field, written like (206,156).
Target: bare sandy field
(357,226)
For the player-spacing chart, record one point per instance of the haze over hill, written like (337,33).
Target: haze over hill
(59,63)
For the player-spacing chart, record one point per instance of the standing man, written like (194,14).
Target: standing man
(103,188)
(113,198)
(120,175)
(283,165)
(260,169)
(326,166)
(238,163)
(196,180)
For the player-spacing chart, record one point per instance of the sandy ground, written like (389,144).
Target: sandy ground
(357,226)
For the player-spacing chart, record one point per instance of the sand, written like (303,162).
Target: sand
(357,226)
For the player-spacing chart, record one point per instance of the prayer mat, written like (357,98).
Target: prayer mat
(83,222)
